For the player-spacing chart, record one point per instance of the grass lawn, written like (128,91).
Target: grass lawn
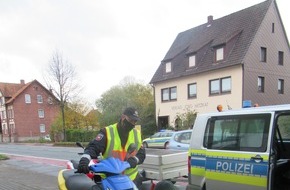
(3,157)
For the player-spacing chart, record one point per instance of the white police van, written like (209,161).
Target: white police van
(246,149)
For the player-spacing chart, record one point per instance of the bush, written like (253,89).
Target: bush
(3,157)
(80,135)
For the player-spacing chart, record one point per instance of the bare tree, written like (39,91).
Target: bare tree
(61,79)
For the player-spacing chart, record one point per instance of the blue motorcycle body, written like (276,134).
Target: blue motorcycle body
(108,174)
(113,169)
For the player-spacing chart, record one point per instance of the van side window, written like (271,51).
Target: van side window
(283,122)
(282,138)
(240,132)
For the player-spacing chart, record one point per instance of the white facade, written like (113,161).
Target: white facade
(203,102)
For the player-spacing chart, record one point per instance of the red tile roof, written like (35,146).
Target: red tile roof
(9,89)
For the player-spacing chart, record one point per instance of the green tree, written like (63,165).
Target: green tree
(74,118)
(128,93)
(79,117)
(92,119)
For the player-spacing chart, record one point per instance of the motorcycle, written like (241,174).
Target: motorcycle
(105,174)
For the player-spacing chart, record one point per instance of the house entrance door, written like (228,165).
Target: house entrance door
(163,122)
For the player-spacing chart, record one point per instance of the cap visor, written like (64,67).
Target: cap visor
(135,118)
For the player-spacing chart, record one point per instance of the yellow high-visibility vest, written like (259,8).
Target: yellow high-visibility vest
(114,147)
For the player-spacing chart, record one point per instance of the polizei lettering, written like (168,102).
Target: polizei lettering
(235,167)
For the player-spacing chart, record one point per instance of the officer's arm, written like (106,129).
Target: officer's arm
(141,155)
(97,146)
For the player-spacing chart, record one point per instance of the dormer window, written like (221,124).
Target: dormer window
(168,67)
(219,54)
(192,61)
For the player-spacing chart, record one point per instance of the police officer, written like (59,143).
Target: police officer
(114,141)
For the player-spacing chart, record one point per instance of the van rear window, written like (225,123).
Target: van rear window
(239,132)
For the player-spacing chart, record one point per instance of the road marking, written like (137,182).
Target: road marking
(42,160)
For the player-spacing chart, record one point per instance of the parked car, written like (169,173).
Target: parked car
(47,138)
(180,140)
(158,140)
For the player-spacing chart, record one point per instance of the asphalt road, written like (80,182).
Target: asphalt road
(46,161)
(41,150)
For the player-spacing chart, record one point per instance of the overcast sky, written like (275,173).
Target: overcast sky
(106,40)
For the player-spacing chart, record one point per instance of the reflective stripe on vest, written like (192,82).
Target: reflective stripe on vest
(115,149)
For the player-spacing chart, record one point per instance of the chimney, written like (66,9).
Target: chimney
(209,19)
(22,81)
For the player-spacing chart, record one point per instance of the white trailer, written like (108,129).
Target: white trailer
(164,164)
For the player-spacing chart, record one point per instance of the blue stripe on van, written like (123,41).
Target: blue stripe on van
(197,163)
(245,167)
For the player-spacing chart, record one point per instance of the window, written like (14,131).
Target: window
(280,58)
(183,137)
(192,60)
(39,99)
(191,90)
(10,113)
(220,86)
(165,134)
(165,94)
(273,27)
(49,100)
(214,86)
(1,101)
(41,113)
(42,128)
(261,84)
(168,67)
(173,93)
(283,122)
(3,114)
(27,99)
(219,54)
(239,133)
(12,128)
(280,86)
(5,128)
(168,94)
(156,135)
(226,85)
(263,57)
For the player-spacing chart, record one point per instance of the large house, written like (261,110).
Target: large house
(238,60)
(26,111)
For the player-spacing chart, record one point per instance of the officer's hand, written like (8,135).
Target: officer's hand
(83,166)
(133,161)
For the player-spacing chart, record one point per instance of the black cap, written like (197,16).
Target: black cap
(132,113)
